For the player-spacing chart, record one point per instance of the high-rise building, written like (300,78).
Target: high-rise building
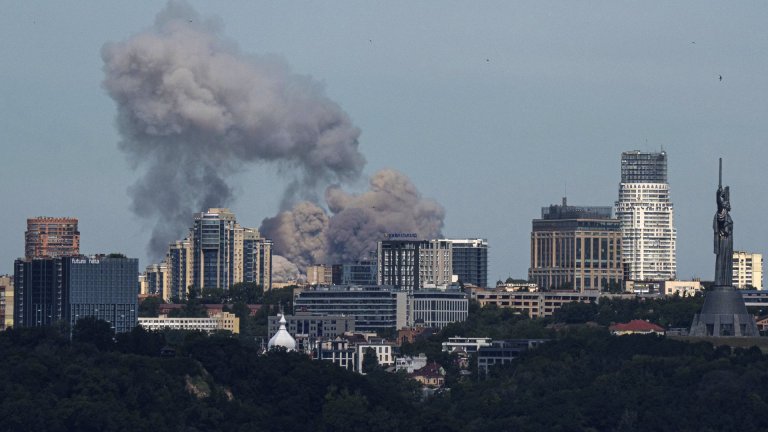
(40,295)
(213,249)
(157,281)
(576,248)
(411,265)
(51,237)
(6,302)
(217,253)
(747,270)
(179,263)
(257,259)
(470,261)
(103,287)
(649,237)
(51,290)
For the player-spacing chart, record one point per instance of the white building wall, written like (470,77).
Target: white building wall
(649,237)
(747,270)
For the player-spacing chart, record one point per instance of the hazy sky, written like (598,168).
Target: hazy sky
(491,108)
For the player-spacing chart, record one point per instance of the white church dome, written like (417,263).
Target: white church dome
(282,338)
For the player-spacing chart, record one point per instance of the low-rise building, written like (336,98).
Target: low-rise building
(410,363)
(534,304)
(337,351)
(682,288)
(374,308)
(383,352)
(220,321)
(438,308)
(384,308)
(468,344)
(503,352)
(431,375)
(636,327)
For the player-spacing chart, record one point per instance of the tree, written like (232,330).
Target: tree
(94,331)
(246,292)
(150,307)
(370,360)
(214,296)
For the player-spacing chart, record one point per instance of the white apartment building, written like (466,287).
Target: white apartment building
(649,237)
(221,321)
(747,270)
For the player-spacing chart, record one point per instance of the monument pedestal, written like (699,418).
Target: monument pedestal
(724,314)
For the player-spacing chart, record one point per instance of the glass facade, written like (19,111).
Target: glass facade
(470,261)
(642,167)
(67,289)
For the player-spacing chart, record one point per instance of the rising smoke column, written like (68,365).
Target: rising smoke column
(192,110)
(306,235)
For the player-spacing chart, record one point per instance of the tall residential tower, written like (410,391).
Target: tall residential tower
(51,237)
(649,237)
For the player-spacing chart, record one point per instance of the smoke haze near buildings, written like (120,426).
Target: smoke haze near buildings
(193,110)
(307,235)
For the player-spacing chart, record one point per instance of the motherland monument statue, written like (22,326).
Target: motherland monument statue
(723,312)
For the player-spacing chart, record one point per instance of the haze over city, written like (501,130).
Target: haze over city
(491,111)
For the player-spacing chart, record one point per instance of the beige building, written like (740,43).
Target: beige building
(533,304)
(6,302)
(320,275)
(217,253)
(220,321)
(682,288)
(576,248)
(747,270)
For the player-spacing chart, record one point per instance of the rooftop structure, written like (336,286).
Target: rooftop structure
(51,237)
(575,248)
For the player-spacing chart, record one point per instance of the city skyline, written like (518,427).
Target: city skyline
(510,113)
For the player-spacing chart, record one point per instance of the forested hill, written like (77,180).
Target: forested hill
(584,380)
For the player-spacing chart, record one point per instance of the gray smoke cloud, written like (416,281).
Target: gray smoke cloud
(284,270)
(307,235)
(192,110)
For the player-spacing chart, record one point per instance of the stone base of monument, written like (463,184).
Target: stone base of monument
(724,314)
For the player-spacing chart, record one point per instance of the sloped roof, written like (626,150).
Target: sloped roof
(636,326)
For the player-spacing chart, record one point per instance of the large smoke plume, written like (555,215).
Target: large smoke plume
(193,110)
(307,235)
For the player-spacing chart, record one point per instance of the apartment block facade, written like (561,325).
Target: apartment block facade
(576,248)
(649,237)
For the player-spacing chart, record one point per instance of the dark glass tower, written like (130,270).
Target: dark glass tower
(642,167)
(66,289)
(470,261)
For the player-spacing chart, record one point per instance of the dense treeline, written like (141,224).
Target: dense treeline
(591,381)
(213,383)
(583,380)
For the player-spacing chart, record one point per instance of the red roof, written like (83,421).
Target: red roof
(638,326)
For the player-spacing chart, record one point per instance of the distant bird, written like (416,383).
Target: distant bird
(693,42)
(190,20)
(487,60)
(721,77)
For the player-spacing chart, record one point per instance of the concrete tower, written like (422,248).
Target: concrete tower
(649,237)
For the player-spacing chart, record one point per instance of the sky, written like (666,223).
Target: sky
(493,109)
